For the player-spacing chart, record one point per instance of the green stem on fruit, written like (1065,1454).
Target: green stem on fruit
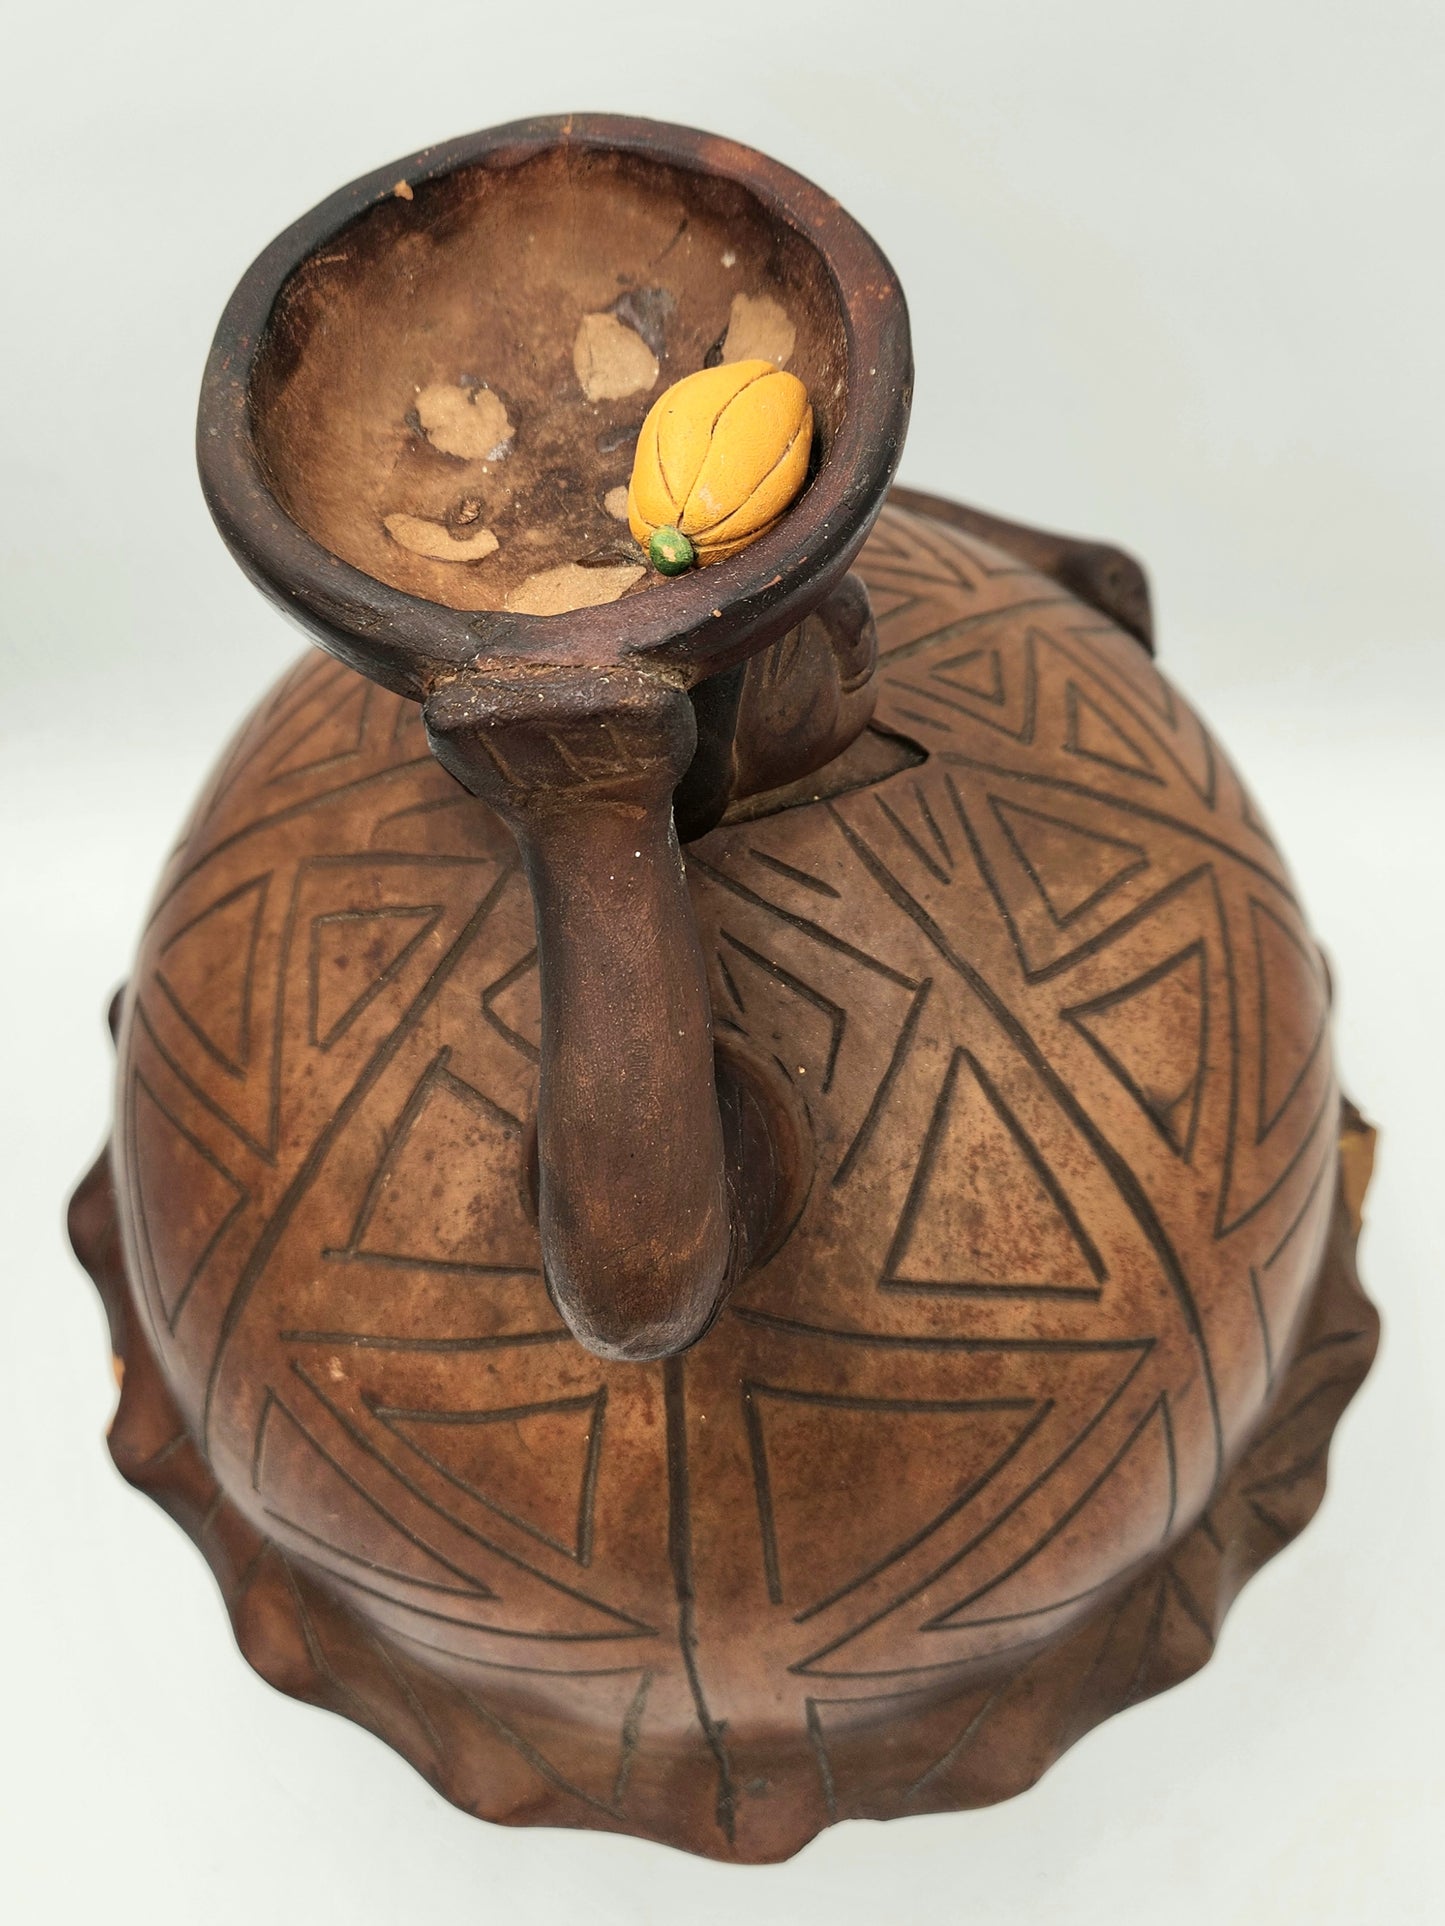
(670,552)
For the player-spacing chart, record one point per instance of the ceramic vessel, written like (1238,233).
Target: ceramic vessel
(704,1340)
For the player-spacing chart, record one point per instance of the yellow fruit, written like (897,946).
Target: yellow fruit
(721,454)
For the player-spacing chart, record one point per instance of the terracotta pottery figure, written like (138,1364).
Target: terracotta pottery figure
(729,1205)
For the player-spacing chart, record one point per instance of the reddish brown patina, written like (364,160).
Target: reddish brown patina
(705,1342)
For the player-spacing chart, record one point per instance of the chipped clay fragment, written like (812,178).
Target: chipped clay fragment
(554,591)
(759,330)
(612,361)
(437,542)
(470,423)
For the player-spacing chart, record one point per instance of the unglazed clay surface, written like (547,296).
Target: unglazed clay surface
(480,352)
(979,1456)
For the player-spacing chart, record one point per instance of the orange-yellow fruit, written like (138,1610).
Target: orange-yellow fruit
(721,454)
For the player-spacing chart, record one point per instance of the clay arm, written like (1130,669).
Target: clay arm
(1105,577)
(633,1195)
(787,711)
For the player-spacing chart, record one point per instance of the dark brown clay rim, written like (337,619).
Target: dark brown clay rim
(412,644)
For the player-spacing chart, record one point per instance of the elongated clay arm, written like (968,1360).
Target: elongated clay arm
(633,1193)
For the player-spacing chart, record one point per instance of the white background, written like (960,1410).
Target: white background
(1176,280)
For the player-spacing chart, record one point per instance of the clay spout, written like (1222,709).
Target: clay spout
(633,1193)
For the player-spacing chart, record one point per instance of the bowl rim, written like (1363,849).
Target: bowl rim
(705,621)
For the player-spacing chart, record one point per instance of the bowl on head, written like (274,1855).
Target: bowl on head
(424,398)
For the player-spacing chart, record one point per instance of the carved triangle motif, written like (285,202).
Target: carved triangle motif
(1071,868)
(1153,1034)
(171,1163)
(1096,737)
(354,954)
(534,1465)
(1293,1011)
(985,1214)
(945,1452)
(206,970)
(447,1124)
(977,672)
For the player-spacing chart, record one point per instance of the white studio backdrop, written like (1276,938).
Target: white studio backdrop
(1176,281)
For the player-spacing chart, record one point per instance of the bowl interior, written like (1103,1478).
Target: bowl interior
(449,391)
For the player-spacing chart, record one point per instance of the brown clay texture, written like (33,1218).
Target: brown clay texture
(483,280)
(1046,1368)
